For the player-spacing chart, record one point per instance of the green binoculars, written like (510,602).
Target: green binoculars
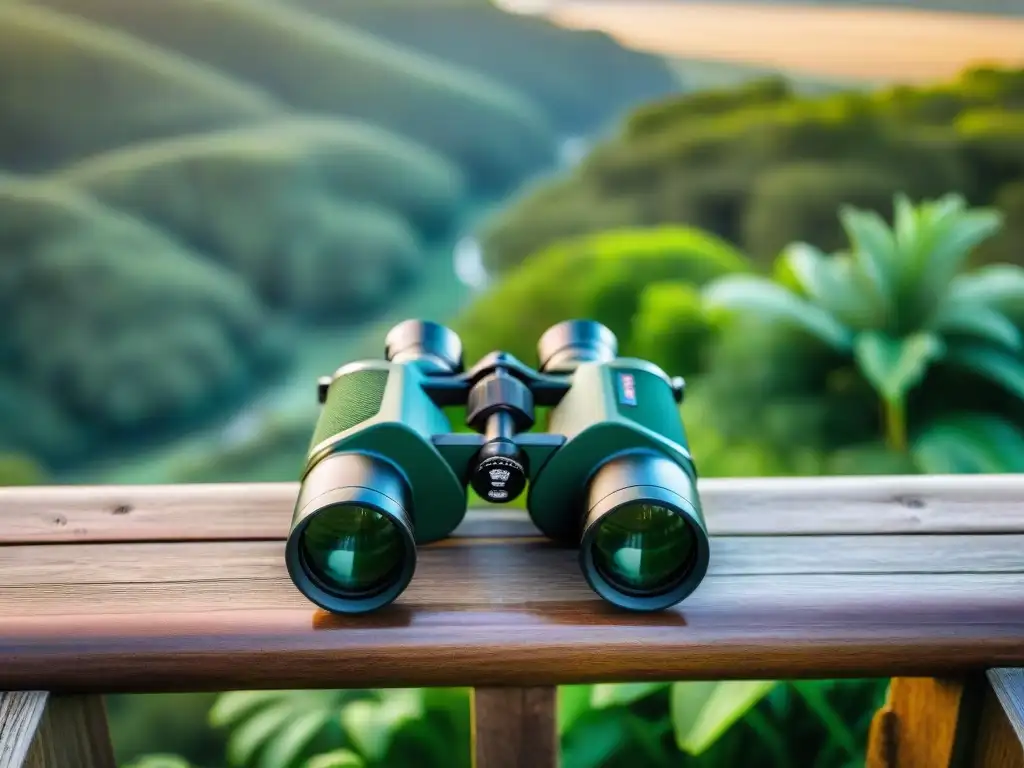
(611,474)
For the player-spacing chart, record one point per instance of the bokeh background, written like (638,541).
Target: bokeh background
(206,205)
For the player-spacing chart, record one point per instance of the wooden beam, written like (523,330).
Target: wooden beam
(733,507)
(20,713)
(515,728)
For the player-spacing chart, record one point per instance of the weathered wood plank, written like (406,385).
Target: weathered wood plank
(482,625)
(20,713)
(515,728)
(72,732)
(734,507)
(995,744)
(1008,685)
(154,563)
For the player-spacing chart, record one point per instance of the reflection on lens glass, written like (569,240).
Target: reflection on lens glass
(642,547)
(353,549)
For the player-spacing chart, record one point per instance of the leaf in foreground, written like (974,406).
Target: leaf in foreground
(702,711)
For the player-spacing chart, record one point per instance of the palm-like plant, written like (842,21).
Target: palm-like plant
(898,301)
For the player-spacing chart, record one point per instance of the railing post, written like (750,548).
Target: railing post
(42,731)
(932,723)
(515,728)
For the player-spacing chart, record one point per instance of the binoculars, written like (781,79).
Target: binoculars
(611,474)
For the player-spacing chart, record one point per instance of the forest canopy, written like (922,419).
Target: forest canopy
(762,165)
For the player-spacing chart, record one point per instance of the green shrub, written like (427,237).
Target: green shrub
(18,469)
(799,202)
(667,114)
(122,329)
(348,159)
(582,78)
(599,277)
(317,66)
(1008,245)
(750,164)
(69,88)
(671,329)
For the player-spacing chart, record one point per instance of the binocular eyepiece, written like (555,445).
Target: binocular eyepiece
(385,473)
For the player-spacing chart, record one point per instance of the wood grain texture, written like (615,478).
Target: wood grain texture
(733,507)
(515,728)
(928,723)
(500,606)
(1008,685)
(73,732)
(20,713)
(996,745)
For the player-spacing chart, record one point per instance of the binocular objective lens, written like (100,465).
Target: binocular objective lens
(643,544)
(643,548)
(353,550)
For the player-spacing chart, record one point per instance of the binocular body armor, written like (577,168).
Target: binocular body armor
(610,474)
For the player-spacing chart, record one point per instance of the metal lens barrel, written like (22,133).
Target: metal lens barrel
(351,547)
(644,546)
(563,346)
(432,344)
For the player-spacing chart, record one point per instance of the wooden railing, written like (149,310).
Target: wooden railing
(183,588)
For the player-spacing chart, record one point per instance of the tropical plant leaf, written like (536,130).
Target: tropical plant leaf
(772,303)
(950,241)
(371,725)
(702,711)
(978,320)
(339,758)
(874,249)
(813,693)
(993,364)
(971,443)
(249,737)
(895,366)
(233,706)
(160,761)
(904,222)
(619,694)
(1000,286)
(573,701)
(282,750)
(836,285)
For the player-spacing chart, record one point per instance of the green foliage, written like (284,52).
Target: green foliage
(761,724)
(665,115)
(146,332)
(272,451)
(16,469)
(898,301)
(798,201)
(184,182)
(581,78)
(324,728)
(276,729)
(69,88)
(670,328)
(970,443)
(761,166)
(600,277)
(317,66)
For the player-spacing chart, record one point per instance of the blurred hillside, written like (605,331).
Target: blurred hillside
(302,170)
